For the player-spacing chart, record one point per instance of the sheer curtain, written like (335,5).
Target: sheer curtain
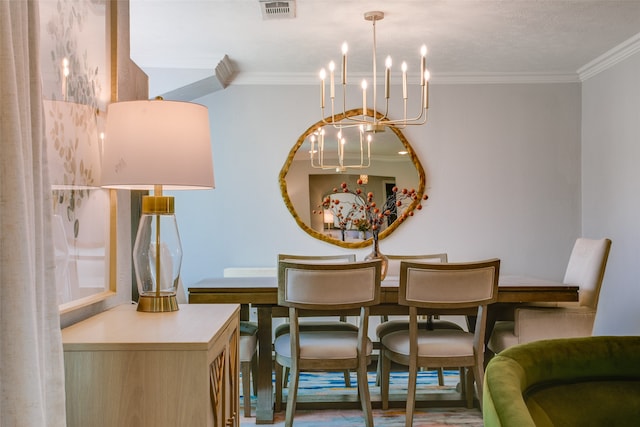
(31,358)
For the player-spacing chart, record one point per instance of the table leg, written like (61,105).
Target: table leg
(264,407)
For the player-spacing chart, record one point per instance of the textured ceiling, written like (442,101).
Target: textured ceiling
(184,40)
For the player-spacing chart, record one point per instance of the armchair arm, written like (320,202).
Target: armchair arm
(533,324)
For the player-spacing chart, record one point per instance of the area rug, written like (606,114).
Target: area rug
(332,384)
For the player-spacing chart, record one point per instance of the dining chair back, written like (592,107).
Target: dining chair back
(440,288)
(318,259)
(397,323)
(326,287)
(393,268)
(586,268)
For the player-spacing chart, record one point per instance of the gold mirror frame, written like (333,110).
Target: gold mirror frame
(351,244)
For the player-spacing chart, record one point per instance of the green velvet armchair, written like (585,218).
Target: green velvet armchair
(592,381)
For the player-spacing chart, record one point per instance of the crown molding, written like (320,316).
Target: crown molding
(610,58)
(289,79)
(504,78)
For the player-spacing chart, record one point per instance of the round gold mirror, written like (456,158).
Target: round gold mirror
(304,184)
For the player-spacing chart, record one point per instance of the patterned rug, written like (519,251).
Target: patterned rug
(332,384)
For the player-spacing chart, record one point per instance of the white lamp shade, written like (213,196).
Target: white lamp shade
(157,142)
(73,150)
(328,216)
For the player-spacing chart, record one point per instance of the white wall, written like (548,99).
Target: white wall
(611,189)
(503,175)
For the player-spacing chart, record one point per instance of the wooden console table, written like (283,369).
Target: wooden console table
(127,368)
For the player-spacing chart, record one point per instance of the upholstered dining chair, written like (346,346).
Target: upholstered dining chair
(585,268)
(314,323)
(441,287)
(327,288)
(397,324)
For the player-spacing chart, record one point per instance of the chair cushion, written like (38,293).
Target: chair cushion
(436,343)
(317,325)
(389,326)
(323,345)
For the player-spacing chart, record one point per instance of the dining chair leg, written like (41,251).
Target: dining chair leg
(292,396)
(245,367)
(478,372)
(347,378)
(469,388)
(365,397)
(463,382)
(285,377)
(278,399)
(385,367)
(411,392)
(440,377)
(379,368)
(254,373)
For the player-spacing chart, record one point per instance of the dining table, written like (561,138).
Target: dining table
(262,294)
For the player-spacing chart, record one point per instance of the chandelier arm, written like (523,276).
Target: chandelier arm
(399,124)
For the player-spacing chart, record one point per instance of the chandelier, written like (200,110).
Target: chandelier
(341,159)
(374,120)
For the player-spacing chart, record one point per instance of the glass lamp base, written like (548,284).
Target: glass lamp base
(157,304)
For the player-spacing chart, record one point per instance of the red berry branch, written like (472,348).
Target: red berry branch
(365,214)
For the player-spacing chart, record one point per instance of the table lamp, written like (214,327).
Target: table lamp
(157,144)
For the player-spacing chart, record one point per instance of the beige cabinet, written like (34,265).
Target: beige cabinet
(130,369)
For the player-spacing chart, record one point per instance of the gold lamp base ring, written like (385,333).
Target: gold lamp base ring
(157,304)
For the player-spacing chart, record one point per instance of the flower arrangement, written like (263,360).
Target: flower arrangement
(365,214)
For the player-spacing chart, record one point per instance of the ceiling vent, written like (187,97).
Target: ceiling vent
(278,9)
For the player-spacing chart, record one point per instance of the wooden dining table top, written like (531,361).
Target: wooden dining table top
(264,290)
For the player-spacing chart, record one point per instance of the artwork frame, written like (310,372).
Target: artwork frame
(77,62)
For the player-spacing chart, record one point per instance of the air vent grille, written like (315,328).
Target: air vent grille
(278,9)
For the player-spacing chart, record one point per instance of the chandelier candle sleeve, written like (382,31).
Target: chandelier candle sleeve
(423,65)
(404,80)
(345,49)
(332,68)
(387,77)
(323,76)
(364,97)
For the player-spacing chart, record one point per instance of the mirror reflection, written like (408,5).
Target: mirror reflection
(305,182)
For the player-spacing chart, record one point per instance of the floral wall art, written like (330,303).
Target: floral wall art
(76,88)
